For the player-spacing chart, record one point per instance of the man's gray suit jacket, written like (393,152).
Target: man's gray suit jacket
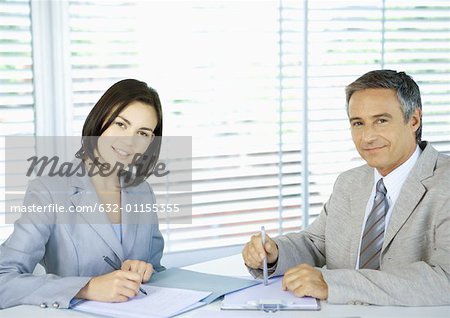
(415,257)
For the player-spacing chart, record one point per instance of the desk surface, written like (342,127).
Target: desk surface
(233,266)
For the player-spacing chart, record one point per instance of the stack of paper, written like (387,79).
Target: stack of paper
(160,302)
(170,292)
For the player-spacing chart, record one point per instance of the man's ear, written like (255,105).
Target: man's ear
(416,119)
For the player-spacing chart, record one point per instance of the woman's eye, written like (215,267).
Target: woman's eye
(118,123)
(144,134)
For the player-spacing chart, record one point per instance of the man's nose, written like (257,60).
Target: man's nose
(369,134)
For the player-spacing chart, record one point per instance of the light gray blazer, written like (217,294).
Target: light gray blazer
(72,252)
(415,259)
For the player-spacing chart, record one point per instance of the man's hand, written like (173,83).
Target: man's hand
(305,280)
(254,251)
(145,270)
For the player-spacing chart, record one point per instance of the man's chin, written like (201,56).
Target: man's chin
(372,162)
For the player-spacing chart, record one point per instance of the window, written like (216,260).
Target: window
(260,87)
(16,83)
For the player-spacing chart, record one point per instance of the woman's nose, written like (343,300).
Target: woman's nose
(127,139)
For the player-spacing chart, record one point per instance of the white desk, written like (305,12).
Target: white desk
(233,266)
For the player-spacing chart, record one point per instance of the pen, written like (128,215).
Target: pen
(114,266)
(265,270)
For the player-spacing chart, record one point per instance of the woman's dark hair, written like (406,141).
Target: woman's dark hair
(105,111)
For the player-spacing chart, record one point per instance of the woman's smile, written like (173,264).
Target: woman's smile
(123,154)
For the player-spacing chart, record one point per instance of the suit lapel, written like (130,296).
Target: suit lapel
(87,197)
(412,192)
(359,197)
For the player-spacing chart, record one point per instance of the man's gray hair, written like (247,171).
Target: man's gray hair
(408,92)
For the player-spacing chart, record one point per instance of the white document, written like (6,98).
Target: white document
(268,298)
(160,302)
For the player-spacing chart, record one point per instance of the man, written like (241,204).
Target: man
(384,234)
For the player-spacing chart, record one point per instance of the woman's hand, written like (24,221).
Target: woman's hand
(117,286)
(145,270)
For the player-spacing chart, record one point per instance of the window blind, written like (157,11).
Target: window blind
(16,84)
(417,39)
(231,75)
(349,38)
(241,78)
(103,50)
(344,42)
(218,82)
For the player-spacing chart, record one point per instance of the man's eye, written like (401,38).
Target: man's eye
(356,123)
(382,121)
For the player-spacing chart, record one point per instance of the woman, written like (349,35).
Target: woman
(120,147)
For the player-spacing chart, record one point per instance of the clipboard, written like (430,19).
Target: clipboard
(270,298)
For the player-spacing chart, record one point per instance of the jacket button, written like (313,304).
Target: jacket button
(55,305)
(43,305)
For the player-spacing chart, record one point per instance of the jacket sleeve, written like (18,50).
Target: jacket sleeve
(417,284)
(23,250)
(308,246)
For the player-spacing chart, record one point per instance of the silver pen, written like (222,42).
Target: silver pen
(265,270)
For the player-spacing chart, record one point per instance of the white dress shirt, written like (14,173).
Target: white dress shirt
(393,183)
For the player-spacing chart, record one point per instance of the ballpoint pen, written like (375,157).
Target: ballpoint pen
(265,270)
(114,266)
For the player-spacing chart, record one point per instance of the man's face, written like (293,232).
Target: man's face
(379,131)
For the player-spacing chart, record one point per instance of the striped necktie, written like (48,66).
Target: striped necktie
(373,235)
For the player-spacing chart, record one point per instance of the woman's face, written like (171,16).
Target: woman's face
(129,134)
